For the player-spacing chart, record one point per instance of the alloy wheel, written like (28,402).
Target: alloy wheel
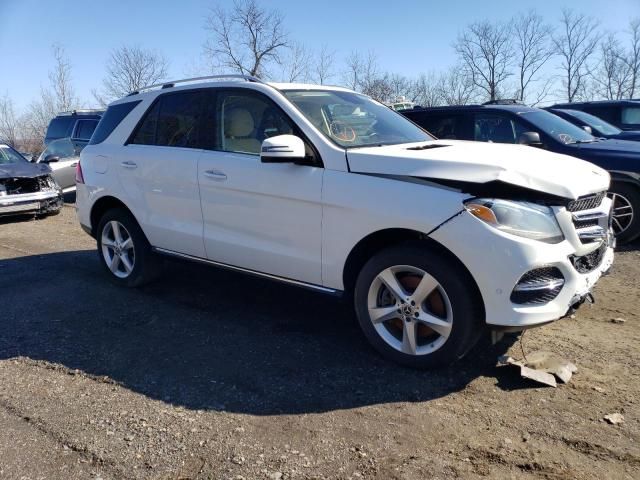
(117,249)
(410,310)
(622,212)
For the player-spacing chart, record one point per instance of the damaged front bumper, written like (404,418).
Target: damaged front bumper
(500,261)
(39,203)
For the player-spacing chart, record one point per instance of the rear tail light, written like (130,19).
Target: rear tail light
(79,176)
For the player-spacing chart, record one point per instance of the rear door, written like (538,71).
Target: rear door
(158,171)
(264,217)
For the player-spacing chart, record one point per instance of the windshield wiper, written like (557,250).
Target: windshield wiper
(427,146)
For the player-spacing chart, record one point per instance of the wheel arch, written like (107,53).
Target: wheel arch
(101,206)
(381,239)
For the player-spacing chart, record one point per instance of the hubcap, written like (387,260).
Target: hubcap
(410,310)
(117,249)
(622,215)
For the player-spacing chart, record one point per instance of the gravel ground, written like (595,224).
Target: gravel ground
(211,374)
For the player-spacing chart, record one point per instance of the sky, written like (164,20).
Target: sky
(412,37)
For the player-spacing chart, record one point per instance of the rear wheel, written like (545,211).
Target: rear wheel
(417,308)
(124,250)
(626,206)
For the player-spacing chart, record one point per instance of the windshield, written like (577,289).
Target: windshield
(594,122)
(353,120)
(9,155)
(557,127)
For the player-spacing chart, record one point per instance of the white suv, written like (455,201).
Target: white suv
(322,187)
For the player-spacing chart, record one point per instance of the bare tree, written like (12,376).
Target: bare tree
(612,77)
(130,68)
(59,97)
(9,124)
(297,63)
(60,80)
(455,87)
(324,65)
(576,43)
(425,90)
(632,58)
(400,86)
(485,51)
(246,38)
(351,76)
(532,49)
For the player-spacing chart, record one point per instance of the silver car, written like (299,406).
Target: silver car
(63,157)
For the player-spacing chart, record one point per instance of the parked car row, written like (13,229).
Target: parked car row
(510,122)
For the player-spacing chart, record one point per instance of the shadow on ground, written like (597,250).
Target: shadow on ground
(208,339)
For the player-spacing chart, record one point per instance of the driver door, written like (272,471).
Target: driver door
(264,217)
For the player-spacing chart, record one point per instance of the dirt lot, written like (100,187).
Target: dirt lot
(210,374)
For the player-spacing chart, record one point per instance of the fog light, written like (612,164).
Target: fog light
(538,286)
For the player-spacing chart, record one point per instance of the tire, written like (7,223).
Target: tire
(453,304)
(136,264)
(626,199)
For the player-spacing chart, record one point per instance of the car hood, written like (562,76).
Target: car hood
(633,135)
(609,145)
(477,162)
(23,169)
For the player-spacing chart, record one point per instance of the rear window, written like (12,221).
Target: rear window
(631,116)
(85,129)
(111,119)
(60,127)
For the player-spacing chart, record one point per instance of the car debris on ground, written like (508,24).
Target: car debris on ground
(542,367)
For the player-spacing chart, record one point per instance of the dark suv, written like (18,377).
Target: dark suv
(624,114)
(77,125)
(510,122)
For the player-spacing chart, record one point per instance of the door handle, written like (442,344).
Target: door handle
(215,175)
(128,164)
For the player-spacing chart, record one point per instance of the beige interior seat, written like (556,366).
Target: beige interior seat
(239,131)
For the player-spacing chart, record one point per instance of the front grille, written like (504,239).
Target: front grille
(16,186)
(587,202)
(538,286)
(589,262)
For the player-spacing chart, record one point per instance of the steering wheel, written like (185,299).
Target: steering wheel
(341,131)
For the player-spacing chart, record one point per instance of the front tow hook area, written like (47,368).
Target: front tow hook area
(578,301)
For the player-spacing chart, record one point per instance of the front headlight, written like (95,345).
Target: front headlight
(523,219)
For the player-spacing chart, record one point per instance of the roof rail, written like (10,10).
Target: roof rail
(172,83)
(82,110)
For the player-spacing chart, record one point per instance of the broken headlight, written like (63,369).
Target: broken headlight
(47,182)
(523,219)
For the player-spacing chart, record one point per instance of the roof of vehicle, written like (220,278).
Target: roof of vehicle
(220,81)
(515,108)
(633,101)
(81,112)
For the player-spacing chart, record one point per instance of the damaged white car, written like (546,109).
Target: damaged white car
(435,241)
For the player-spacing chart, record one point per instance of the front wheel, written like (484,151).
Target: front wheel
(417,308)
(626,206)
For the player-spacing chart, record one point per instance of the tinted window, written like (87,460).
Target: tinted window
(631,115)
(173,121)
(111,119)
(60,127)
(594,122)
(610,114)
(496,128)
(246,120)
(62,148)
(85,129)
(446,127)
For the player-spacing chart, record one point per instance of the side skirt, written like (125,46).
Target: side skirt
(298,283)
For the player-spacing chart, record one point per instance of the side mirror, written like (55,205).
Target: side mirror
(530,138)
(282,149)
(587,129)
(50,159)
